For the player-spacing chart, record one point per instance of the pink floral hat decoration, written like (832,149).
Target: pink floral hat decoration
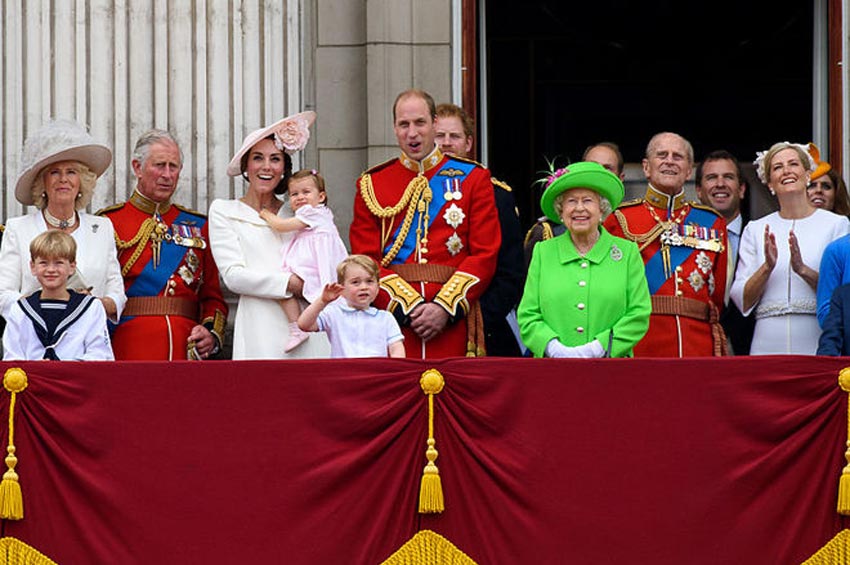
(583,174)
(291,135)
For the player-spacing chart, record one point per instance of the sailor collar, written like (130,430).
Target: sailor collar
(147,205)
(432,160)
(662,200)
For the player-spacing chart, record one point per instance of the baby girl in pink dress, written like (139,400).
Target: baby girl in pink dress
(314,251)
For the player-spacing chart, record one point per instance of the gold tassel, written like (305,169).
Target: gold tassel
(834,552)
(427,548)
(11,498)
(844,481)
(17,552)
(431,489)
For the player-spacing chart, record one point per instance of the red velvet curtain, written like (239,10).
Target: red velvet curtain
(542,461)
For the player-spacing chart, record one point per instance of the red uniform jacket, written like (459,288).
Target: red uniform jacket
(168,297)
(443,252)
(683,246)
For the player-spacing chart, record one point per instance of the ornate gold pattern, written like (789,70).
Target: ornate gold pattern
(427,547)
(416,196)
(401,292)
(454,292)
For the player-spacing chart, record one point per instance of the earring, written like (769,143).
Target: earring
(79,195)
(44,195)
(772,192)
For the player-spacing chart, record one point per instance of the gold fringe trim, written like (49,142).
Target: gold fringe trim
(844,481)
(431,489)
(15,552)
(11,497)
(835,552)
(428,548)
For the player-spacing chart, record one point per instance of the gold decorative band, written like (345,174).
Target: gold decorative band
(681,306)
(401,293)
(454,291)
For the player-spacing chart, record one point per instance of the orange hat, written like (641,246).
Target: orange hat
(821,167)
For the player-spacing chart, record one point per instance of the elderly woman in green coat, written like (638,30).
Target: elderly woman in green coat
(586,293)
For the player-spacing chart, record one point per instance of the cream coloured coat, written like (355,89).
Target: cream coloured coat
(97,259)
(247,253)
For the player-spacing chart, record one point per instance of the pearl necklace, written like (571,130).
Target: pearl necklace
(57,223)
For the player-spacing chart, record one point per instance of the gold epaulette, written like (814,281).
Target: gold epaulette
(2,228)
(467,160)
(453,293)
(633,202)
(501,184)
(189,210)
(108,209)
(545,231)
(379,166)
(701,206)
(401,293)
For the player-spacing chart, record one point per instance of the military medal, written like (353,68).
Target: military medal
(186,274)
(449,195)
(454,216)
(457,194)
(192,261)
(187,236)
(454,244)
(693,236)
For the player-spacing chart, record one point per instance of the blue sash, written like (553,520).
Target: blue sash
(150,281)
(451,169)
(678,254)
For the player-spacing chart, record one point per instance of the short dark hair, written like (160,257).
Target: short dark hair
(416,93)
(719,155)
(609,145)
(455,111)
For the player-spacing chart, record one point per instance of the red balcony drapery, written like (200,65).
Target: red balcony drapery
(542,461)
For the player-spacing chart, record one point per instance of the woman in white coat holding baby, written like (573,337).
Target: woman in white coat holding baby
(247,250)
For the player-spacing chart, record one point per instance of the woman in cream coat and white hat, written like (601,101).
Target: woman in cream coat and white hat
(247,250)
(60,165)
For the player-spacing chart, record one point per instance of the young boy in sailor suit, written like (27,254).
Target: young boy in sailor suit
(56,323)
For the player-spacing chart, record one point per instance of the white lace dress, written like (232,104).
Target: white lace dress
(786,320)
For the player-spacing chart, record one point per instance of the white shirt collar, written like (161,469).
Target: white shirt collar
(345,307)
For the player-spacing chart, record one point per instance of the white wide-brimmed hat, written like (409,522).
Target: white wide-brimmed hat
(58,140)
(291,135)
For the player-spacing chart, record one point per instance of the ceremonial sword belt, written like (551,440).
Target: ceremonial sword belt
(161,306)
(433,273)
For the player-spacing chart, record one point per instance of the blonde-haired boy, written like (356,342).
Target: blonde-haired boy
(56,323)
(355,328)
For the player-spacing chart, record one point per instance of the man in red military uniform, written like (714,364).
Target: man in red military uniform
(684,248)
(174,309)
(430,222)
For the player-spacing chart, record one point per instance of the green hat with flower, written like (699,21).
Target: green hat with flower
(584,174)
